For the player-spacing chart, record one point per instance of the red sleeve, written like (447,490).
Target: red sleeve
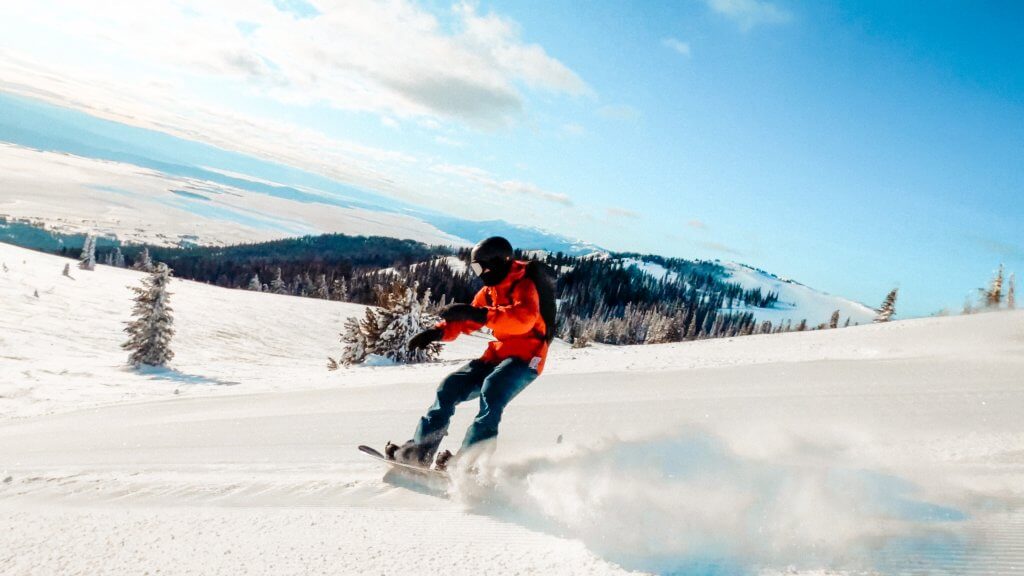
(521,315)
(453,329)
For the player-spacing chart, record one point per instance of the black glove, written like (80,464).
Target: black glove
(464,312)
(426,338)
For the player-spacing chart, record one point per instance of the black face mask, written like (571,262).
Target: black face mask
(492,272)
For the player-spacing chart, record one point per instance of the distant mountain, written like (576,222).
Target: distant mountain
(523,237)
(216,177)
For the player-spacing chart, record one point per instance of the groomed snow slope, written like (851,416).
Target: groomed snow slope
(893,449)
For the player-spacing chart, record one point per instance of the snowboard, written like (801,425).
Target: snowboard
(425,472)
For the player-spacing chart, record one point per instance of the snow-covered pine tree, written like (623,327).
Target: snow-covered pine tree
(87,259)
(405,316)
(386,330)
(254,283)
(149,334)
(118,257)
(321,290)
(358,338)
(1011,293)
(888,309)
(144,262)
(108,259)
(339,289)
(834,321)
(277,285)
(67,270)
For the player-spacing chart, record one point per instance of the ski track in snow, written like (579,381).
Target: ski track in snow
(887,449)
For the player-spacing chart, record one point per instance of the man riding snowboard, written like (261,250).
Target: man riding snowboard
(517,304)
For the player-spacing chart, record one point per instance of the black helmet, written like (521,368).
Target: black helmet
(491,260)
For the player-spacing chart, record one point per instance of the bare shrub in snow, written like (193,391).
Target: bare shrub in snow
(1011,293)
(385,330)
(992,297)
(149,334)
(888,308)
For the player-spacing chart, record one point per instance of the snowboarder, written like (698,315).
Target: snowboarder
(517,303)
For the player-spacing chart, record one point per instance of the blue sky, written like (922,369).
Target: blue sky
(853,146)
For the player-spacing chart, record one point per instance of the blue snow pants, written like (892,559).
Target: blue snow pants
(495,385)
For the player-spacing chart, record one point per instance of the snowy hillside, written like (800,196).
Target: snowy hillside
(881,449)
(796,301)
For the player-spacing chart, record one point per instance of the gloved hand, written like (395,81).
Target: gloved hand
(463,313)
(426,338)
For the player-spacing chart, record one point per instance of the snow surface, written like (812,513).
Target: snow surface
(886,449)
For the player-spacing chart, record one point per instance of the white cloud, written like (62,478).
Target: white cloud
(677,45)
(483,178)
(138,63)
(750,13)
(619,212)
(392,58)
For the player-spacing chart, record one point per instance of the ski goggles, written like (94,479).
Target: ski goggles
(479,267)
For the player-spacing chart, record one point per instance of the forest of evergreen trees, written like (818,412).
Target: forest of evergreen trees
(602,298)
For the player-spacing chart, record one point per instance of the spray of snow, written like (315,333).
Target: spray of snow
(691,503)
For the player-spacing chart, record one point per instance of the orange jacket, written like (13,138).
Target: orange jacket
(513,315)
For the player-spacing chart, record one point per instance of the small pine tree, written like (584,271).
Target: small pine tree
(67,270)
(888,309)
(118,257)
(339,289)
(151,331)
(802,325)
(834,321)
(321,290)
(386,330)
(254,283)
(277,285)
(145,262)
(87,259)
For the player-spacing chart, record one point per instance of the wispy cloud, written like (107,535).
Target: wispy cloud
(697,224)
(748,14)
(619,112)
(677,46)
(619,212)
(483,178)
(573,129)
(471,67)
(719,247)
(1001,249)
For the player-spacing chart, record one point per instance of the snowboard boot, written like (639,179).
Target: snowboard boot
(409,453)
(442,461)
